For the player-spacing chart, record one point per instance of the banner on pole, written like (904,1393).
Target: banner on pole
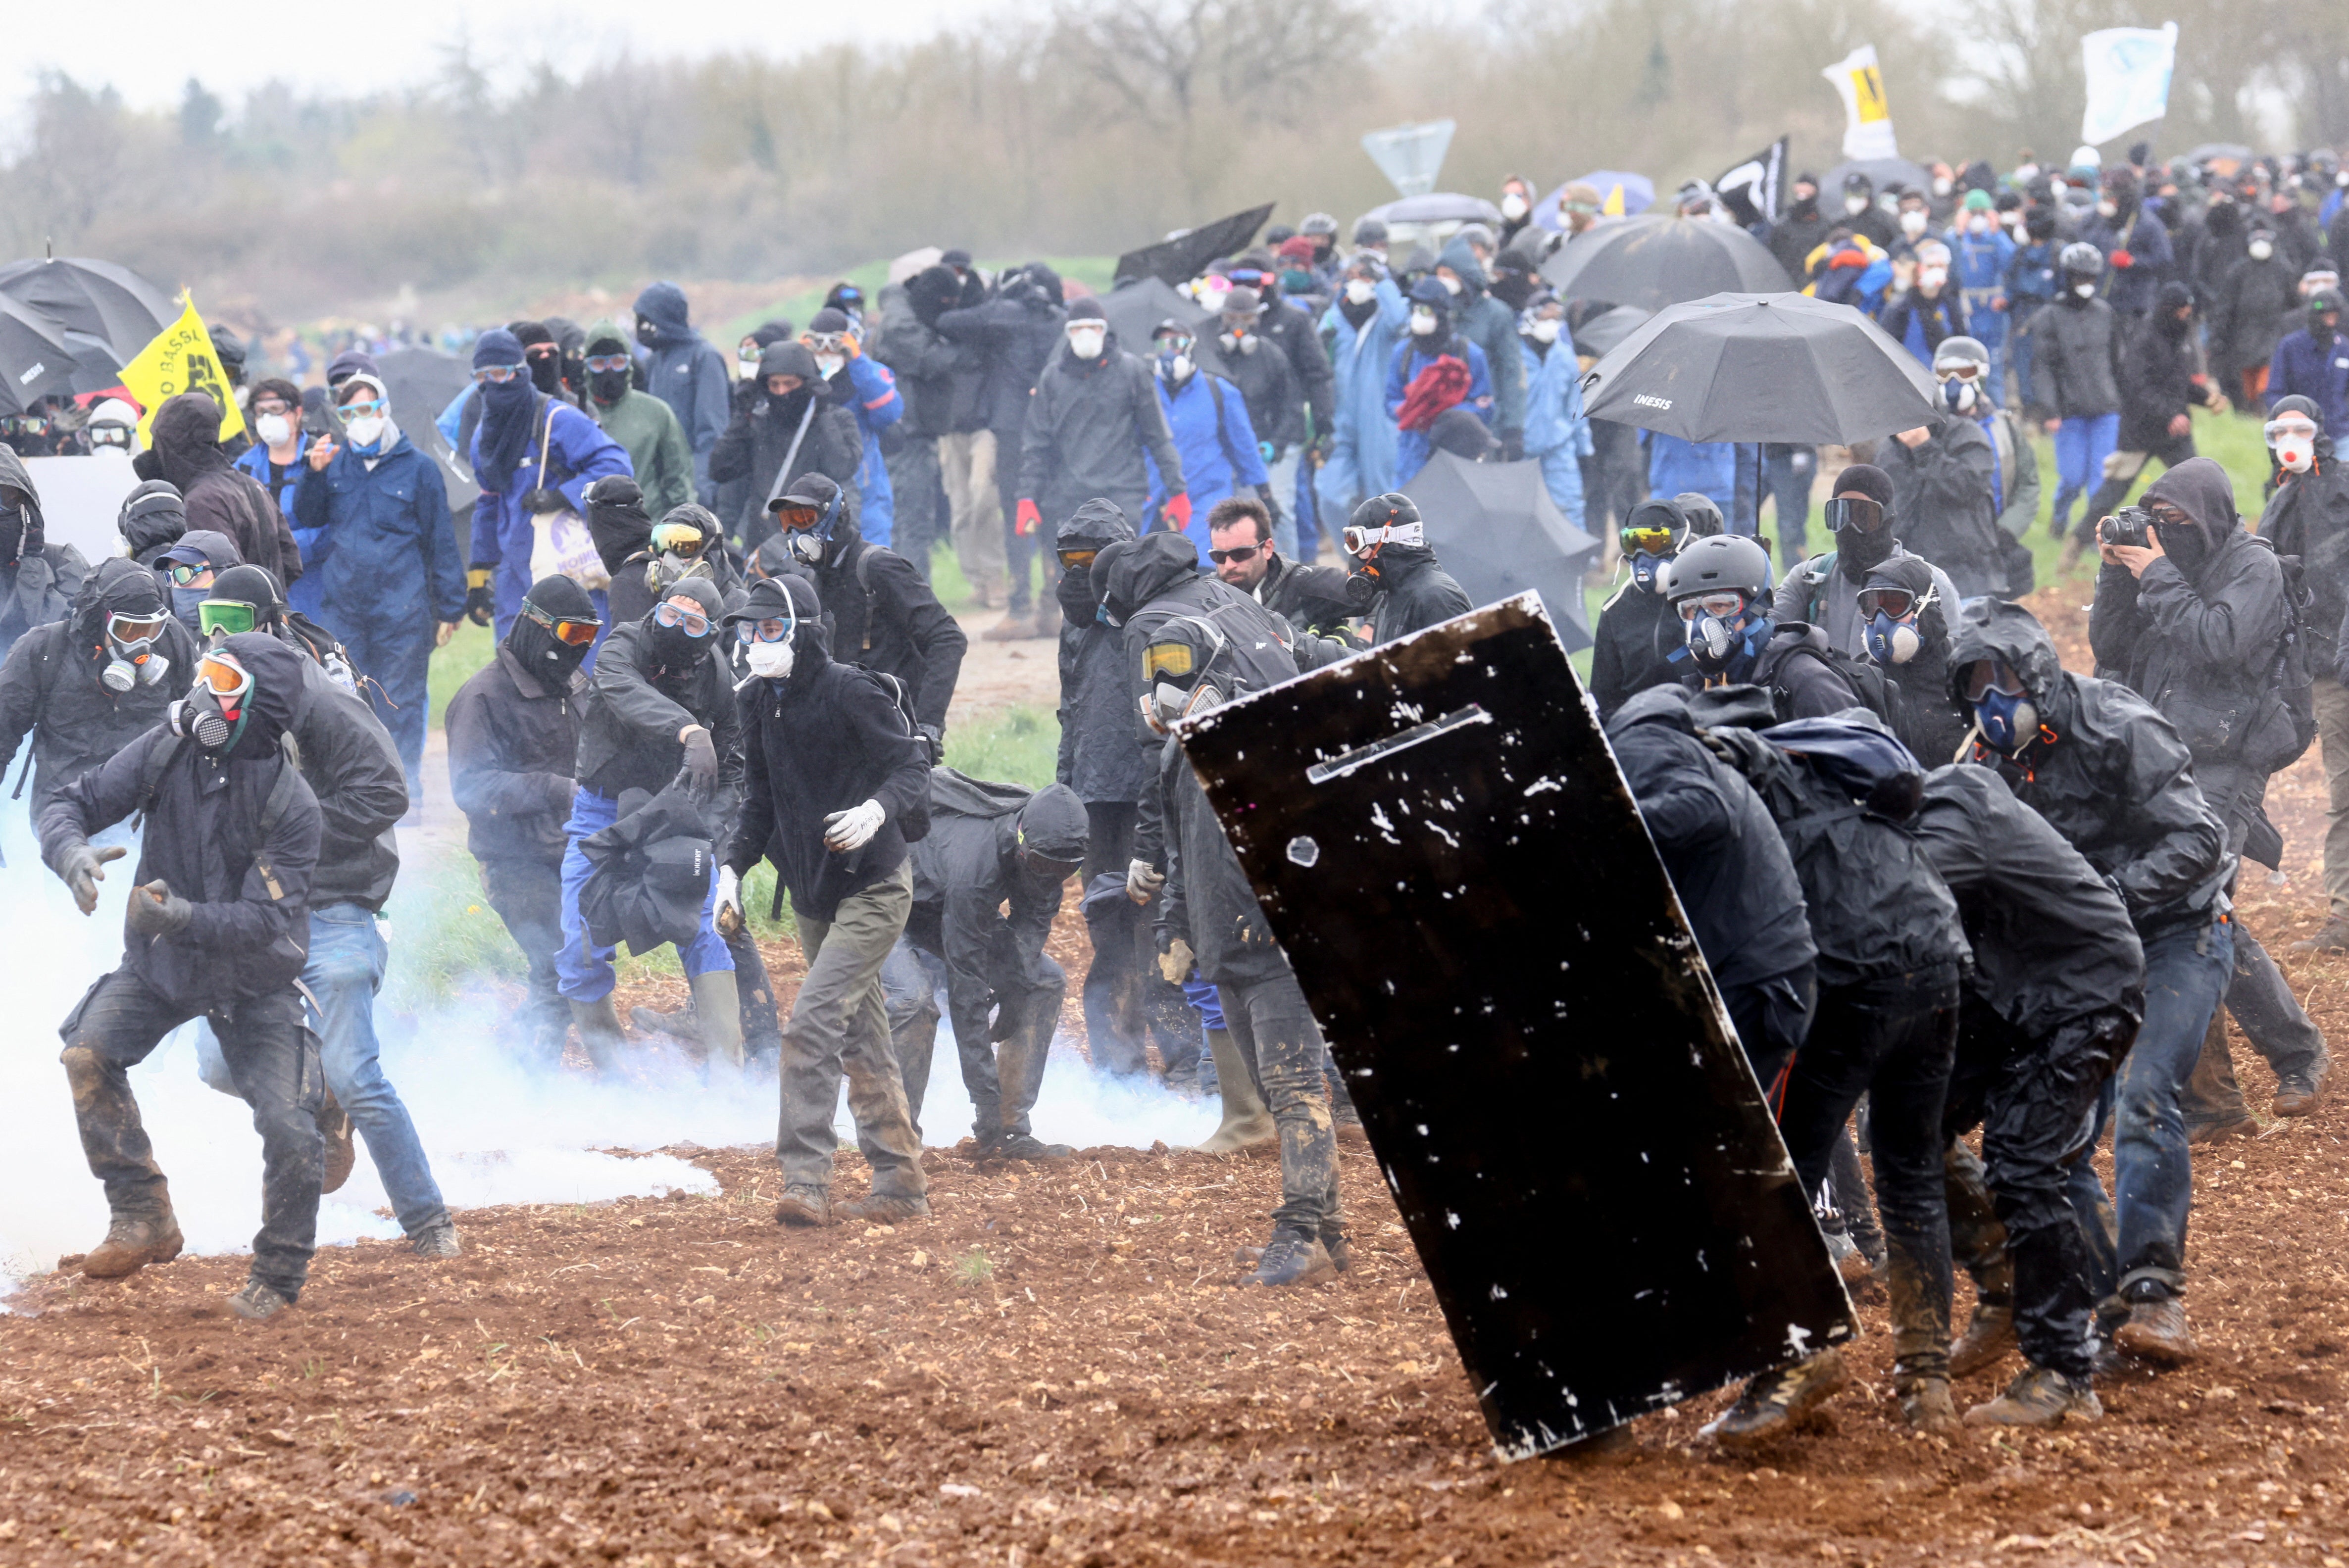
(1867,120)
(181,358)
(2128,71)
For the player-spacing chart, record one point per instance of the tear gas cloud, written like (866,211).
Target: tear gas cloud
(497,1131)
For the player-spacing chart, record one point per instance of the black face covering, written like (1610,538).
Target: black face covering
(1512,289)
(677,651)
(1356,315)
(1078,599)
(546,656)
(608,386)
(1860,551)
(2187,544)
(1362,588)
(12,533)
(547,372)
(791,406)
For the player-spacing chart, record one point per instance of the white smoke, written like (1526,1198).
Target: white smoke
(495,1130)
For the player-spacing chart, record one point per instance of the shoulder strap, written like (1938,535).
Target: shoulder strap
(159,756)
(791,453)
(273,811)
(864,586)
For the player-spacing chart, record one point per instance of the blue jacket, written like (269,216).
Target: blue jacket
(2130,289)
(1359,357)
(2031,275)
(686,372)
(2320,375)
(380,541)
(1977,265)
(581,454)
(1402,369)
(1709,467)
(871,394)
(308,591)
(1557,431)
(1216,460)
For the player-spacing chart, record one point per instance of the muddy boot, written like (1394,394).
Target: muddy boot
(2333,938)
(1294,1257)
(680,1025)
(1333,1242)
(803,1203)
(440,1241)
(1777,1403)
(1925,1405)
(1246,1122)
(1029,1147)
(715,999)
(2243,1125)
(2156,1332)
(342,1152)
(2038,1397)
(1986,1340)
(132,1242)
(599,1031)
(2298,1094)
(879,1209)
(256,1303)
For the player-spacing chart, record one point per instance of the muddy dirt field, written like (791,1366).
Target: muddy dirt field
(1056,1369)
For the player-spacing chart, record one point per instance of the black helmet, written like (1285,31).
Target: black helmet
(1719,564)
(1370,232)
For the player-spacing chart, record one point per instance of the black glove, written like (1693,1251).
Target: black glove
(481,599)
(935,739)
(157,910)
(701,754)
(1513,447)
(77,868)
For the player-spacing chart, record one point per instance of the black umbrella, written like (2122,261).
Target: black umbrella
(1600,334)
(103,300)
(1497,530)
(34,360)
(1762,367)
(1656,259)
(1135,309)
(421,382)
(1883,173)
(1183,257)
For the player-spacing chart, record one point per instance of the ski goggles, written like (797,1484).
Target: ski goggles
(1958,369)
(695,621)
(574,633)
(1648,540)
(1988,675)
(228,681)
(680,537)
(826,342)
(183,573)
(763,631)
(2289,427)
(1358,540)
(499,375)
(129,629)
(1862,514)
(1176,661)
(226,617)
(1896,603)
(367,411)
(609,362)
(1720,606)
(1078,560)
(790,515)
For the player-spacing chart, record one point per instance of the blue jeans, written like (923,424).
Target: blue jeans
(347,954)
(2082,442)
(2186,974)
(584,967)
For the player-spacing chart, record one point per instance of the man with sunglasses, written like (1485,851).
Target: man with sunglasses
(217,927)
(1241,550)
(2195,622)
(393,586)
(660,456)
(2307,516)
(1824,590)
(1638,631)
(2113,777)
(513,742)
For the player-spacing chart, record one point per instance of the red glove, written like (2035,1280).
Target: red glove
(1177,508)
(2123,259)
(1028,520)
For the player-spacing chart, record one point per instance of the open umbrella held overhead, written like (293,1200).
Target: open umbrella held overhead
(100,300)
(1658,258)
(1498,533)
(1762,367)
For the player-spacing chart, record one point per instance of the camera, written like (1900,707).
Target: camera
(2131,525)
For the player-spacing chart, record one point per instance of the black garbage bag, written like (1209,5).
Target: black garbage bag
(651,872)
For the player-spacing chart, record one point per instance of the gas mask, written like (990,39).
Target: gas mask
(1423,323)
(1176,676)
(1959,395)
(273,430)
(1647,572)
(1890,642)
(1361,290)
(1086,342)
(2003,711)
(215,713)
(131,659)
(1718,626)
(806,546)
(1174,363)
(1238,342)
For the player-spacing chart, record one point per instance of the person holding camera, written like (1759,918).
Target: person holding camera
(2192,613)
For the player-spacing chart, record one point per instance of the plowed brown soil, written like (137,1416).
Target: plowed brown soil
(1057,1369)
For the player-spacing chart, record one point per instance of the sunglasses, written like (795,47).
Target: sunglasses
(609,362)
(1989,675)
(762,631)
(1078,560)
(1859,512)
(1896,603)
(185,572)
(367,411)
(499,375)
(229,617)
(1648,540)
(1239,553)
(1720,606)
(224,676)
(574,633)
(677,536)
(695,621)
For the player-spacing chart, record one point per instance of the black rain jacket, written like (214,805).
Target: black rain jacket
(885,617)
(634,707)
(1413,593)
(1099,757)
(1944,505)
(513,743)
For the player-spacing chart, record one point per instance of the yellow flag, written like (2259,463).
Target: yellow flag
(182,359)
(1613,206)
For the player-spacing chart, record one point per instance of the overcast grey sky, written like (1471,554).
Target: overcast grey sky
(147,50)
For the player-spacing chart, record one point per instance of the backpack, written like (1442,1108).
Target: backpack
(915,825)
(1869,685)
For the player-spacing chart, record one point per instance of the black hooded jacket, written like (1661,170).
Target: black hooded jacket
(636,705)
(2308,516)
(250,931)
(2050,939)
(186,452)
(49,684)
(1015,332)
(1630,650)
(1413,593)
(38,581)
(353,768)
(1717,841)
(1310,598)
(885,617)
(1098,759)
(939,379)
(2201,645)
(759,436)
(826,739)
(2158,363)
(1944,505)
(1087,428)
(514,739)
(2116,780)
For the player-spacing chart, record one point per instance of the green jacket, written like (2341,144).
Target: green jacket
(656,445)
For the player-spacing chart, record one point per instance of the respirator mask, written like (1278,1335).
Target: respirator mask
(1716,627)
(1889,626)
(131,659)
(2003,711)
(215,713)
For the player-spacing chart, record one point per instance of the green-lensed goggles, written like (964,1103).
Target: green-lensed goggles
(227,617)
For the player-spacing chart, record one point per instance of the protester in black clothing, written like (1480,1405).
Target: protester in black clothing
(217,927)
(1638,631)
(1719,588)
(1241,549)
(1801,230)
(787,427)
(1398,586)
(1906,636)
(833,780)
(1944,501)
(38,581)
(1824,592)
(151,520)
(1016,331)
(513,740)
(882,615)
(2307,518)
(2253,300)
(2161,380)
(84,688)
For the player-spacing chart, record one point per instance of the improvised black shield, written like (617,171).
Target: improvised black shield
(1452,864)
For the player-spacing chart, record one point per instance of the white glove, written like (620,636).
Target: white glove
(1141,882)
(846,833)
(729,901)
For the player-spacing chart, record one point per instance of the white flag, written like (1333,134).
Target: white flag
(2128,79)
(1867,123)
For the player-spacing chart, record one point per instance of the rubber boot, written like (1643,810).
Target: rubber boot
(714,997)
(680,1025)
(1245,1120)
(599,1031)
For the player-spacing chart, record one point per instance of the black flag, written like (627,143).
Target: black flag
(1754,190)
